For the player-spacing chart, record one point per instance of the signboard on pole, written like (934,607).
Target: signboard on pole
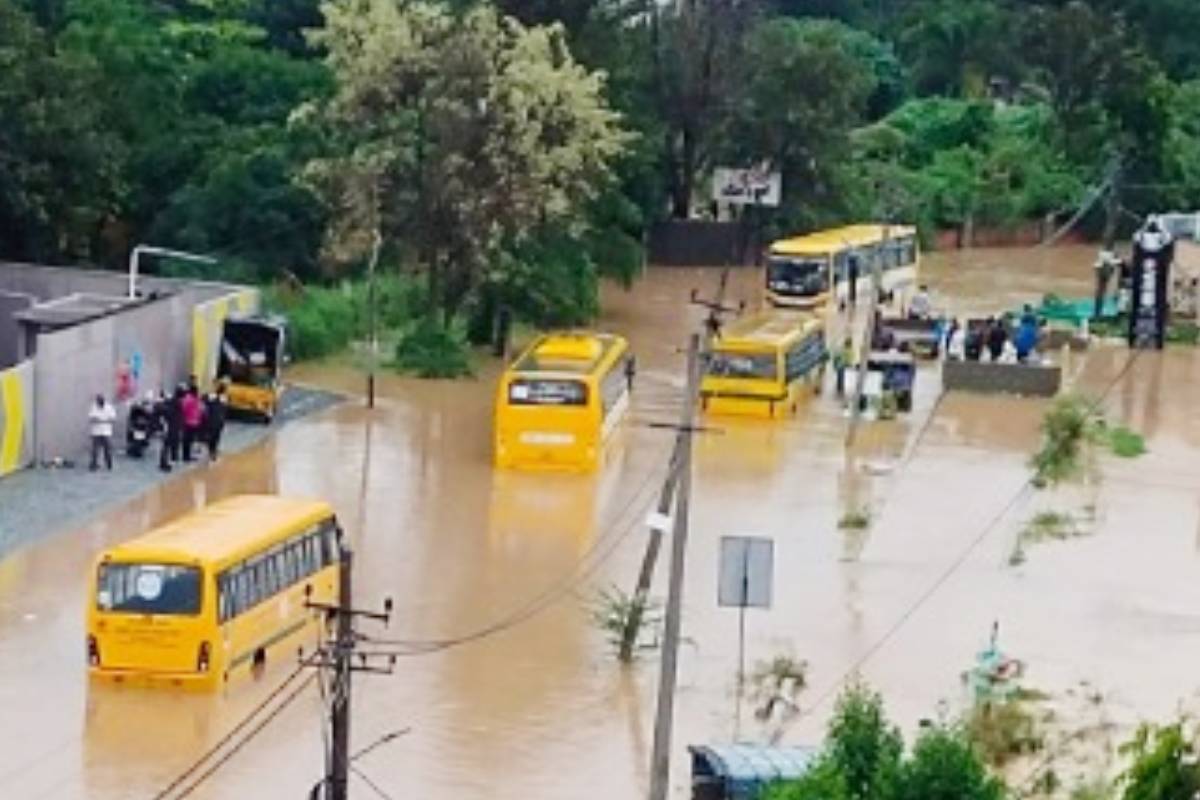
(747,187)
(746,572)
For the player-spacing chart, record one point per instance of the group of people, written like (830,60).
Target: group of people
(184,419)
(993,340)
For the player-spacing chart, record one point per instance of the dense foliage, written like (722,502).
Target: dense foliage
(515,151)
(864,759)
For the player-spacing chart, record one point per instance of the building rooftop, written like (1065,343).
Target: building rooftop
(73,309)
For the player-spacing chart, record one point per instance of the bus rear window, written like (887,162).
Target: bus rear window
(547,393)
(149,589)
(744,365)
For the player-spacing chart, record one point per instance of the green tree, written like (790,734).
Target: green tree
(943,766)
(60,167)
(1164,764)
(955,47)
(457,135)
(864,747)
(802,91)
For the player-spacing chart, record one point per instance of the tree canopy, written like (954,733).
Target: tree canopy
(516,132)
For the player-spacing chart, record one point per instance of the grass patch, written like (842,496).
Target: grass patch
(1050,525)
(429,350)
(1004,731)
(1126,443)
(1180,332)
(855,520)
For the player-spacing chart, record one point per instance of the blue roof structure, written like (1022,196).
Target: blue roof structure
(743,769)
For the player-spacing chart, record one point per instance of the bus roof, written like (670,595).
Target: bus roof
(835,239)
(224,532)
(766,329)
(572,352)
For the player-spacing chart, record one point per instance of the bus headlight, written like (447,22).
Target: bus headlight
(202,658)
(93,651)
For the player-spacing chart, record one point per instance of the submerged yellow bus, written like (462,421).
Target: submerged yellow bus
(561,400)
(213,595)
(807,271)
(761,365)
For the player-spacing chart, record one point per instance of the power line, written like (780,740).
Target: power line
(224,740)
(233,751)
(542,601)
(372,785)
(1026,487)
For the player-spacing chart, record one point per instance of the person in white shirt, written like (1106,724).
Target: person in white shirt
(101,417)
(957,348)
(920,307)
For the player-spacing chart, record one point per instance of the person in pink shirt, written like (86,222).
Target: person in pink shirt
(193,421)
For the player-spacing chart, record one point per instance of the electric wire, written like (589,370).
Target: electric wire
(233,732)
(603,548)
(1026,487)
(236,748)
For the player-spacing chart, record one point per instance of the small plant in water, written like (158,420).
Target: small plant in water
(1004,730)
(775,686)
(855,520)
(613,609)
(1069,429)
(1050,525)
(1126,443)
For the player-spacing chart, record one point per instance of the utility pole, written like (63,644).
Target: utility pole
(868,334)
(660,763)
(338,657)
(633,622)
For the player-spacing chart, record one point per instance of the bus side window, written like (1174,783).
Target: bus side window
(329,550)
(301,558)
(270,576)
(313,543)
(242,588)
(223,597)
(283,568)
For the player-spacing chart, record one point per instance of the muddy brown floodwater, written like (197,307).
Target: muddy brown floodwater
(540,709)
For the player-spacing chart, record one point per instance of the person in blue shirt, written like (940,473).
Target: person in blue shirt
(1026,338)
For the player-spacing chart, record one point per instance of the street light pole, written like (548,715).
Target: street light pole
(149,250)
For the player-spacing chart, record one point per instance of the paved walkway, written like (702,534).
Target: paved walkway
(36,503)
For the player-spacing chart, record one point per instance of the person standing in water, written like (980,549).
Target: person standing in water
(216,405)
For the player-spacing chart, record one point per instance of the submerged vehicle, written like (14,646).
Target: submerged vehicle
(252,355)
(763,364)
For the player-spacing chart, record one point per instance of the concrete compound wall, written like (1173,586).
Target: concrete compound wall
(991,378)
(121,356)
(10,332)
(16,417)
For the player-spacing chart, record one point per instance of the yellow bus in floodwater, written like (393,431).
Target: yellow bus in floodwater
(214,594)
(807,271)
(763,365)
(561,400)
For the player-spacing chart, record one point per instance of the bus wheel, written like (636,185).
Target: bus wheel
(259,664)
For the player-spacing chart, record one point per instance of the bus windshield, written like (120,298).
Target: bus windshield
(547,393)
(149,589)
(760,366)
(802,276)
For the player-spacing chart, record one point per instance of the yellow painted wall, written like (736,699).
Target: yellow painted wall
(16,417)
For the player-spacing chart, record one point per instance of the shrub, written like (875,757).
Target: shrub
(1069,427)
(1126,443)
(1003,731)
(429,350)
(320,321)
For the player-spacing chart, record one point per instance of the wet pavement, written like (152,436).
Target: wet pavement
(40,502)
(537,707)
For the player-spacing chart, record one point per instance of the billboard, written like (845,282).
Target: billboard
(747,187)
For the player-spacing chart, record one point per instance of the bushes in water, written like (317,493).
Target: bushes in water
(428,350)
(1069,427)
(1126,443)
(325,320)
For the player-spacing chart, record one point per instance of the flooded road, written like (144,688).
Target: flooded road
(523,699)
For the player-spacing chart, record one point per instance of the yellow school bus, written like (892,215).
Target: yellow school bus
(561,400)
(762,365)
(214,595)
(807,271)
